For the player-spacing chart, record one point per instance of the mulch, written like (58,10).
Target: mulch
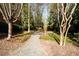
(7,47)
(53,49)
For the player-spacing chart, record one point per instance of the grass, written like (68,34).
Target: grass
(46,37)
(22,37)
(54,37)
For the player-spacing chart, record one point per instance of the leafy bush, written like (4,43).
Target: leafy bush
(4,27)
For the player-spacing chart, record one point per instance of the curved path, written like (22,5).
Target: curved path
(31,47)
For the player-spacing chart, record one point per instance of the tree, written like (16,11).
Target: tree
(28,17)
(75,22)
(33,11)
(24,16)
(45,15)
(37,15)
(67,11)
(52,20)
(10,13)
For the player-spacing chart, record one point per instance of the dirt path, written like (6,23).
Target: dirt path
(31,48)
(37,47)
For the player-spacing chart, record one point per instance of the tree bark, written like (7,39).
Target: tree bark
(28,25)
(28,17)
(45,29)
(61,37)
(9,30)
(61,40)
(65,22)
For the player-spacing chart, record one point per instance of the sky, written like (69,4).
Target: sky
(44,9)
(45,13)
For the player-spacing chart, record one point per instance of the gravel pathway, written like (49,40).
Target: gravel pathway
(31,48)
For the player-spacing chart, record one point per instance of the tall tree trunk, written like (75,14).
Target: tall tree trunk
(58,14)
(45,28)
(28,17)
(66,33)
(9,30)
(28,25)
(61,38)
(65,23)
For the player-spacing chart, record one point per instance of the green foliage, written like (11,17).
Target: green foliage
(46,37)
(52,20)
(75,22)
(4,27)
(24,16)
(75,39)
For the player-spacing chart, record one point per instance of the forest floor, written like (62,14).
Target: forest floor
(35,46)
(7,47)
(53,49)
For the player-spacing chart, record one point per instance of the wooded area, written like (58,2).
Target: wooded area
(55,21)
